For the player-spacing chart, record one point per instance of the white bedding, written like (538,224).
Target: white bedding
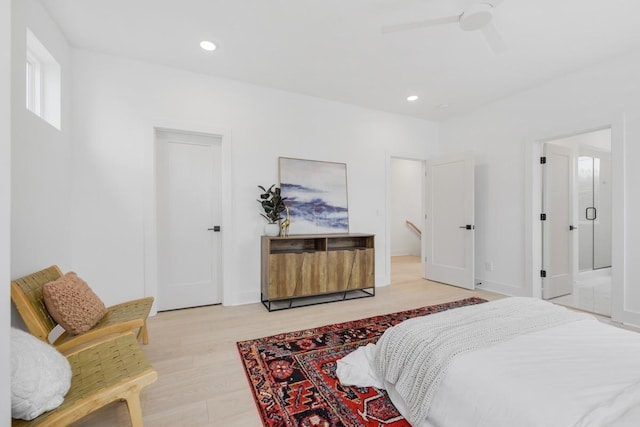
(583,373)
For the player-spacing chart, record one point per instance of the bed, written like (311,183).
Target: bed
(512,362)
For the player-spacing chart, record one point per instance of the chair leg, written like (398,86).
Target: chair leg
(143,334)
(135,409)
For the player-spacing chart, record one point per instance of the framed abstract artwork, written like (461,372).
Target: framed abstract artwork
(316,195)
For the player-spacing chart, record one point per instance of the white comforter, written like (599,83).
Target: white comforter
(582,373)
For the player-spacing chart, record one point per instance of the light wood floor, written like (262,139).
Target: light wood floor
(201,379)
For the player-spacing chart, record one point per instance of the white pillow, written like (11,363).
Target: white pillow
(40,376)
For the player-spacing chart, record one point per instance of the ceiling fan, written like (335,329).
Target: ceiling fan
(476,16)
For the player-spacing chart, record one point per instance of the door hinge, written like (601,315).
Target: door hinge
(543,217)
(543,160)
(543,273)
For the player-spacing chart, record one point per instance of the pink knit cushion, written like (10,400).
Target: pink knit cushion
(72,303)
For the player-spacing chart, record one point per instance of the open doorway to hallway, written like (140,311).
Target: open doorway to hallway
(405,268)
(406,218)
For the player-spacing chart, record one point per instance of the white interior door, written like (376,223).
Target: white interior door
(188,176)
(557,229)
(449,221)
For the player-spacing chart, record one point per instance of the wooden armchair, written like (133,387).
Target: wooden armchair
(26,294)
(110,369)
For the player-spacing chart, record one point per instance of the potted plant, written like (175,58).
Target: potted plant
(273,205)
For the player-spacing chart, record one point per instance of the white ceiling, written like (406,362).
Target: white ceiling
(334,49)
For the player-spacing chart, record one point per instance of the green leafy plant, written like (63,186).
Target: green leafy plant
(272,203)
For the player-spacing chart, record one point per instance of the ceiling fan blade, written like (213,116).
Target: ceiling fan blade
(420,24)
(464,4)
(493,38)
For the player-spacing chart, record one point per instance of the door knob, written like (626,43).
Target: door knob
(468,227)
(215,228)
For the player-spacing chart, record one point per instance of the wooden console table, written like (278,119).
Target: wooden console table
(312,269)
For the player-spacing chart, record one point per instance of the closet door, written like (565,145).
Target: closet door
(188,182)
(449,221)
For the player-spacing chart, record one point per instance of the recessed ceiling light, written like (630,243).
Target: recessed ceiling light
(412,98)
(207,45)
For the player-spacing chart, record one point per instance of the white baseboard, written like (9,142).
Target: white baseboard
(631,318)
(501,288)
(594,274)
(243,298)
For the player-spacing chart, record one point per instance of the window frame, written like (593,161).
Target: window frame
(33,83)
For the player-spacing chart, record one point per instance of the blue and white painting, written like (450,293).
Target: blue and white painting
(316,195)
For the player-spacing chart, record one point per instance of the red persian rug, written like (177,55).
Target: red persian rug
(293,375)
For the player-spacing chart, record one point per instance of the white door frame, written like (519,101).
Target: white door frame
(533,202)
(149,200)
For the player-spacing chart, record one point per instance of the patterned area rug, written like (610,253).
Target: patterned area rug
(293,375)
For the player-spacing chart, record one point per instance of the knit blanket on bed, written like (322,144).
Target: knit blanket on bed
(414,355)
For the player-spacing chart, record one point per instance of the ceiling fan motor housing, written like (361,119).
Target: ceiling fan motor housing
(476,16)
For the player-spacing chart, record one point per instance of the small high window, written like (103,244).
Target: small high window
(43,86)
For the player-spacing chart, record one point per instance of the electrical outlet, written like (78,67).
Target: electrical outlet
(488,265)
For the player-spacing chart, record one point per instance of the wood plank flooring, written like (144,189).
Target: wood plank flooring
(201,380)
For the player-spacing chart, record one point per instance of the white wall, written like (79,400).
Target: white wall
(599,139)
(500,134)
(5,199)
(41,179)
(406,204)
(116,103)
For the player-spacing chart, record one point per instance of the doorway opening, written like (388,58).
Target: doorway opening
(406,218)
(577,230)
